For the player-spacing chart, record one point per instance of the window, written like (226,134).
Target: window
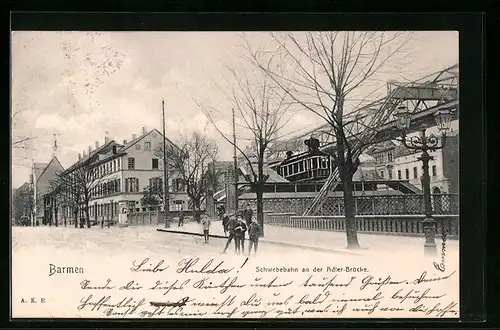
(390,175)
(415,174)
(179,184)
(156,182)
(295,168)
(407,174)
(147,145)
(114,165)
(301,166)
(382,173)
(154,162)
(389,156)
(132,185)
(131,163)
(399,174)
(434,171)
(114,150)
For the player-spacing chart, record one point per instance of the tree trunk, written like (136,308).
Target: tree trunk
(259,190)
(64,217)
(56,220)
(196,214)
(76,218)
(350,212)
(87,216)
(196,210)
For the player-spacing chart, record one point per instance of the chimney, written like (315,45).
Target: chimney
(144,130)
(90,149)
(106,139)
(134,136)
(97,144)
(84,153)
(124,142)
(79,156)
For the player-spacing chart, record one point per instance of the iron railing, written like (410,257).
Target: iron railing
(442,204)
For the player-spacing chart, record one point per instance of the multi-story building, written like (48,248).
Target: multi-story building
(119,174)
(395,161)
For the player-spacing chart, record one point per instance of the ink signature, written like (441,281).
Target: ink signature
(442,266)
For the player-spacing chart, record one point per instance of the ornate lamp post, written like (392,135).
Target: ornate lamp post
(425,143)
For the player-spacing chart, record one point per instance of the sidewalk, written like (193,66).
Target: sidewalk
(327,241)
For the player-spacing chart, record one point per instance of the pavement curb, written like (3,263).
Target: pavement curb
(306,247)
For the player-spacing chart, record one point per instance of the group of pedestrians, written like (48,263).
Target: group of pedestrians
(236,227)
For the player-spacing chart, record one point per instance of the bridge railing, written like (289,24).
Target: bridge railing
(402,225)
(442,204)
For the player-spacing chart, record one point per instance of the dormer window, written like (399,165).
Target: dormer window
(114,150)
(147,145)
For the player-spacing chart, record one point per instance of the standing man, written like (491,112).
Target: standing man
(254,233)
(206,227)
(181,219)
(225,223)
(248,214)
(231,227)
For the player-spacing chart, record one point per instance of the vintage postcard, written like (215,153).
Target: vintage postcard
(232,175)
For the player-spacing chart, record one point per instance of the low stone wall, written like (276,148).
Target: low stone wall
(404,225)
(145,218)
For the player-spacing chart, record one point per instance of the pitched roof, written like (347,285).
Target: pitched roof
(92,154)
(383,146)
(366,174)
(39,168)
(24,187)
(139,138)
(275,177)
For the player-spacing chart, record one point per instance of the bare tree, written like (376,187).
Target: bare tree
(77,186)
(189,160)
(19,140)
(262,110)
(329,74)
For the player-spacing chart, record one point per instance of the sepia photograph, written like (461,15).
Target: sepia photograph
(235,175)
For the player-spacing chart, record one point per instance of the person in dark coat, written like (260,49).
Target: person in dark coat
(239,236)
(254,232)
(231,227)
(247,215)
(225,223)
(181,219)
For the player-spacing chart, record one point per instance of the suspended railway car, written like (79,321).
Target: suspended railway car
(312,165)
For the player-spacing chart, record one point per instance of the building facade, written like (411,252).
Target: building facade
(119,173)
(42,178)
(396,162)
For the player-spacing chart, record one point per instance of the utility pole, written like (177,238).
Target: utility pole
(166,201)
(33,222)
(235,168)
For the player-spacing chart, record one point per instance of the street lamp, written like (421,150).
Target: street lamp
(425,143)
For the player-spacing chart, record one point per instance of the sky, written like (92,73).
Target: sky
(80,85)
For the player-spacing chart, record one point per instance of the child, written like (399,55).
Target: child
(254,233)
(206,227)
